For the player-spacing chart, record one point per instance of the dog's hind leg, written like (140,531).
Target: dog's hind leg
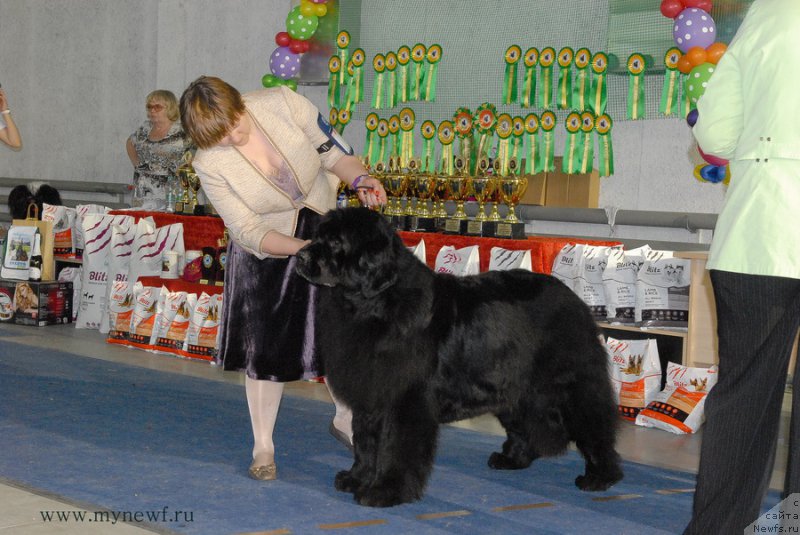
(518,451)
(593,427)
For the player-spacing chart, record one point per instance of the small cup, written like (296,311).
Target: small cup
(170,265)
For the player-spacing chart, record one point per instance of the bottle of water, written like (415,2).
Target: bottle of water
(171,187)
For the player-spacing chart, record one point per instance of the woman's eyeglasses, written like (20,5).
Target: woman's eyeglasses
(155,107)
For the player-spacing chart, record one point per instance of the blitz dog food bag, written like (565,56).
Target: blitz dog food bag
(143,318)
(505,259)
(679,408)
(464,261)
(419,251)
(201,335)
(635,374)
(619,283)
(172,320)
(567,264)
(589,279)
(662,291)
(63,219)
(81,211)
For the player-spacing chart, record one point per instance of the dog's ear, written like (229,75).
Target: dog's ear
(377,271)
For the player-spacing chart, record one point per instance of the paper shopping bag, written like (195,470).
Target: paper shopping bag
(46,230)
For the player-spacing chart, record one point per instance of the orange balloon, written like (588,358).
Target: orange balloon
(714,52)
(684,65)
(696,55)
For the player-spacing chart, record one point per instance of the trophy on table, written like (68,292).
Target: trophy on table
(194,207)
(512,187)
(422,220)
(438,197)
(482,187)
(457,191)
(182,204)
(396,185)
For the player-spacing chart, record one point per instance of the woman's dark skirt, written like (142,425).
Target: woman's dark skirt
(268,314)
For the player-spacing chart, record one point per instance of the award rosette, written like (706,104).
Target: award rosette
(343,120)
(485,120)
(463,123)
(432,58)
(446,134)
(531,60)
(580,87)
(394,135)
(371,148)
(636,104)
(407,122)
(403,80)
(547,122)
(670,93)
(334,68)
(605,152)
(504,131)
(587,143)
(599,90)
(418,55)
(391,82)
(572,149)
(533,161)
(355,86)
(565,58)
(379,64)
(512,57)
(342,43)
(517,142)
(546,60)
(428,131)
(333,118)
(383,134)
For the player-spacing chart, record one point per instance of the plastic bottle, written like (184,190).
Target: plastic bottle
(35,269)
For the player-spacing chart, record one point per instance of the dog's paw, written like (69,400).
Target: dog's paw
(594,483)
(345,482)
(380,496)
(498,461)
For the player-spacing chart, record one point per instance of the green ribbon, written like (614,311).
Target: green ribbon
(379,64)
(334,66)
(605,151)
(565,57)
(546,60)
(403,83)
(383,133)
(432,58)
(533,161)
(370,144)
(512,56)
(342,42)
(406,136)
(418,54)
(587,142)
(394,135)
(670,92)
(636,104)
(547,123)
(447,159)
(599,90)
(391,83)
(572,149)
(581,85)
(531,59)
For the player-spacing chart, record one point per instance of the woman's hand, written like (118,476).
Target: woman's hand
(370,192)
(3,101)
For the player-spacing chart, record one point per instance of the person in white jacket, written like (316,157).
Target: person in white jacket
(9,134)
(749,115)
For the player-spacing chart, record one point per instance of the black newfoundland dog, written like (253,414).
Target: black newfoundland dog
(408,349)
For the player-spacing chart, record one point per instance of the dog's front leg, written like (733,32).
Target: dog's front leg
(365,435)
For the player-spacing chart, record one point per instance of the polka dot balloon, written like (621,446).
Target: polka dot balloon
(694,27)
(697,80)
(284,63)
(300,26)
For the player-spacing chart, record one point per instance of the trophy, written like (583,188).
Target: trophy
(411,190)
(512,188)
(482,188)
(457,190)
(423,220)
(496,197)
(396,184)
(439,195)
(194,185)
(182,204)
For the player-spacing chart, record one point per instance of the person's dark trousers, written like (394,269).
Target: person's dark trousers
(757,321)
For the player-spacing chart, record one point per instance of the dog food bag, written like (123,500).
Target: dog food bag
(143,318)
(201,335)
(17,258)
(619,283)
(172,320)
(679,408)
(120,311)
(419,251)
(504,259)
(81,211)
(662,291)
(63,218)
(94,282)
(567,264)
(464,261)
(150,245)
(589,279)
(119,260)
(635,374)
(73,275)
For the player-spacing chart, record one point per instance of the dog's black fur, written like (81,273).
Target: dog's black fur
(408,349)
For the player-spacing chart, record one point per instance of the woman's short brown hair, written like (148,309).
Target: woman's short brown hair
(210,109)
(169,100)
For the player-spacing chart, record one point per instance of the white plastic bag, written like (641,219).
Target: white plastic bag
(419,251)
(567,264)
(505,259)
(662,291)
(619,283)
(680,407)
(464,261)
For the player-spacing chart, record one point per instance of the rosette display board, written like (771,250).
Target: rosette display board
(410,74)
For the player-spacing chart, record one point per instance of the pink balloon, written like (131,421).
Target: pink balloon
(671,8)
(713,160)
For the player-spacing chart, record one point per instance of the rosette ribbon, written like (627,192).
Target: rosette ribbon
(394,135)
(581,85)
(344,120)
(547,122)
(565,57)
(533,160)
(407,121)
(446,134)
(432,59)
(334,67)
(531,60)
(463,124)
(504,131)
(418,54)
(599,89)
(342,43)
(403,79)
(670,93)
(485,121)
(512,57)
(636,104)
(605,151)
(383,143)
(391,83)
(355,84)
(587,143)
(371,144)
(572,144)
(428,131)
(517,141)
(546,60)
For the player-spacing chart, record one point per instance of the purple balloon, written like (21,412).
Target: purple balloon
(284,63)
(694,27)
(691,117)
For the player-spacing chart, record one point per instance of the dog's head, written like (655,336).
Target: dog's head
(354,249)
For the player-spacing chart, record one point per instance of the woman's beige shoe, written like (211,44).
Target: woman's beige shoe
(265,472)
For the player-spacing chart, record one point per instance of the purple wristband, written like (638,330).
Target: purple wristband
(357,181)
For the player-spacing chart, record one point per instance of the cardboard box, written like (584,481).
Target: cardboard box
(35,303)
(574,191)
(534,194)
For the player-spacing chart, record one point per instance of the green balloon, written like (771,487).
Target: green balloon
(695,84)
(270,80)
(291,83)
(299,26)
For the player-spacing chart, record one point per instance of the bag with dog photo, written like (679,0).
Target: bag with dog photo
(45,230)
(662,291)
(17,257)
(635,374)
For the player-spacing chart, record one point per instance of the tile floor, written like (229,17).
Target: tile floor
(20,508)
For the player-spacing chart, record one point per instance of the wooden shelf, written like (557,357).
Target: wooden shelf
(633,328)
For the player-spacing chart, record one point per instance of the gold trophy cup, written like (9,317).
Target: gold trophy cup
(396,184)
(424,220)
(482,187)
(512,188)
(458,186)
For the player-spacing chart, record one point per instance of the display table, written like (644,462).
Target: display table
(543,249)
(198,231)
(180,285)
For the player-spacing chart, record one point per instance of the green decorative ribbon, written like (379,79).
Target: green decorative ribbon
(407,121)
(371,149)
(517,142)
(383,134)
(513,54)
(403,90)
(670,93)
(485,120)
(333,118)
(598,99)
(605,152)
(530,60)
(572,149)
(463,124)
(446,134)
(342,42)
(391,83)
(394,134)
(546,60)
(587,143)
(428,131)
(418,54)
(433,57)
(686,101)
(334,66)
(565,57)
(581,85)
(504,129)
(355,87)
(547,122)
(344,120)
(636,104)
(379,64)
(533,162)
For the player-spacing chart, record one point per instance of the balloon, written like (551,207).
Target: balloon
(694,27)
(320,10)
(684,65)
(282,39)
(307,9)
(291,84)
(698,4)
(715,51)
(270,80)
(301,26)
(671,8)
(691,117)
(284,63)
(696,56)
(696,81)
(713,160)
(319,1)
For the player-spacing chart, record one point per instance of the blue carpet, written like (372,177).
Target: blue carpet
(126,439)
